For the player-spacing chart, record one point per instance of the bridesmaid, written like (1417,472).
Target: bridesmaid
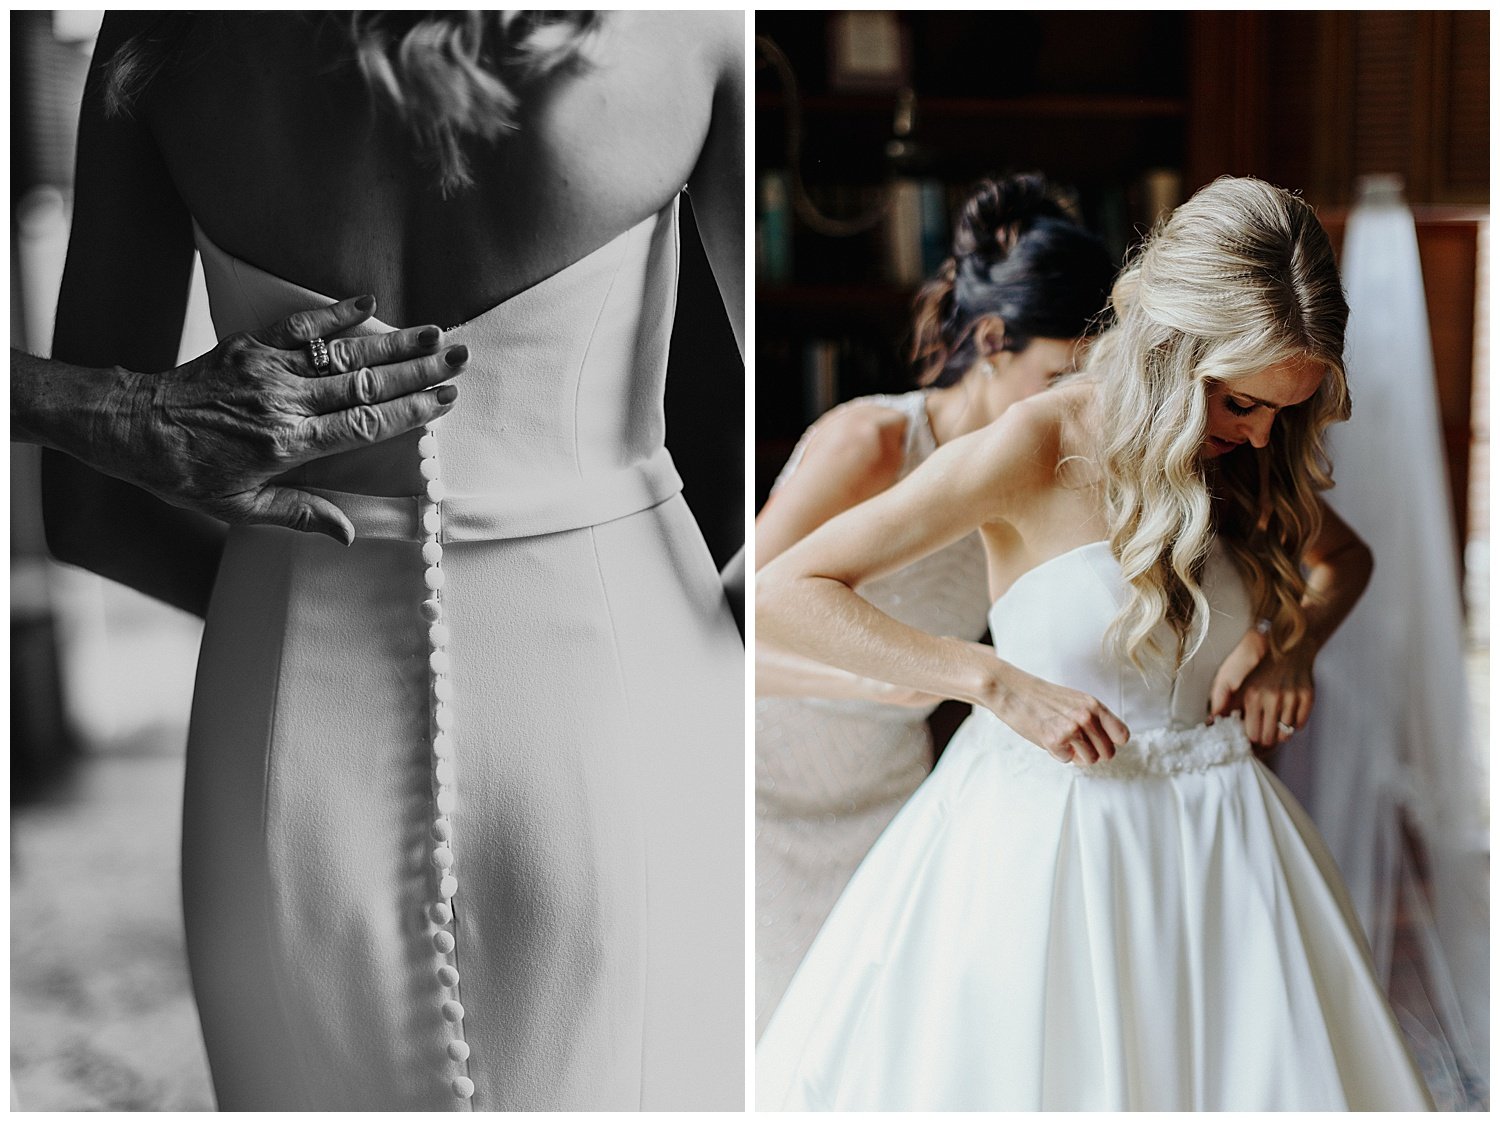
(836,755)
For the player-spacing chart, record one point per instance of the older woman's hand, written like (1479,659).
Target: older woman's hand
(211,435)
(1273,696)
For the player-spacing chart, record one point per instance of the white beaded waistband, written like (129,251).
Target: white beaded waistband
(1150,753)
(1168,751)
(567,504)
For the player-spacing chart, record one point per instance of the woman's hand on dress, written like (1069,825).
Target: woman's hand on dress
(1274,696)
(1069,724)
(211,435)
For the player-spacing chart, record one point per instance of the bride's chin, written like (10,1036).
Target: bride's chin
(1213,448)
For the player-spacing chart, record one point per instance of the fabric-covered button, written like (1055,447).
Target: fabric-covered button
(427,446)
(442,716)
(432,552)
(446,800)
(443,941)
(448,888)
(432,521)
(434,578)
(442,857)
(447,976)
(442,830)
(458,1050)
(444,772)
(440,913)
(453,1012)
(436,491)
(437,634)
(438,660)
(430,468)
(442,746)
(463,1087)
(432,610)
(442,689)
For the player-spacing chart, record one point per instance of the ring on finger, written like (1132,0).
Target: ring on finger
(1285,729)
(317,350)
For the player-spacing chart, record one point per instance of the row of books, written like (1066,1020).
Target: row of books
(911,233)
(907,241)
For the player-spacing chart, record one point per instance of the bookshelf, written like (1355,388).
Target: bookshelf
(1100,101)
(989,92)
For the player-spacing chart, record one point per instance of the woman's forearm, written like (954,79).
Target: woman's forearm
(56,404)
(1335,582)
(826,621)
(780,673)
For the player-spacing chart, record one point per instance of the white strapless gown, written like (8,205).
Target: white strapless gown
(597,732)
(1165,931)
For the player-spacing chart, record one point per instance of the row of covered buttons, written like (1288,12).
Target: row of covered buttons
(442,914)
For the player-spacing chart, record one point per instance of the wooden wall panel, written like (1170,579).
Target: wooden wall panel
(1460,120)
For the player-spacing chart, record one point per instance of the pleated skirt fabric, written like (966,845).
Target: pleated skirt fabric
(1025,937)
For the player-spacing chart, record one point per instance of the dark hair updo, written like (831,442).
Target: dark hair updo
(1019,255)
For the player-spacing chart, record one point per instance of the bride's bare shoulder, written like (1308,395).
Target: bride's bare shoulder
(1025,452)
(1031,431)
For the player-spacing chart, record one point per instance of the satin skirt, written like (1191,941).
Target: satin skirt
(1170,934)
(599,824)
(829,777)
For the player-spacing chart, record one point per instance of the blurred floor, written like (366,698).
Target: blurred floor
(101,1013)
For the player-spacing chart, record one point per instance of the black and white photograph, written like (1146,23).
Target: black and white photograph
(1121,651)
(377,514)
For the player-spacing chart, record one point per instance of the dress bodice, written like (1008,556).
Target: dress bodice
(944,593)
(560,419)
(1051,622)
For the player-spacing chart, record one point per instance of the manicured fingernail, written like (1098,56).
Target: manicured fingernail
(447,394)
(365,303)
(457,356)
(428,336)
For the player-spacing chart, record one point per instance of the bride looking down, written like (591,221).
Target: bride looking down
(1101,899)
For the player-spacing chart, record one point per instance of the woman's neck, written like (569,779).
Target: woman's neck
(969,404)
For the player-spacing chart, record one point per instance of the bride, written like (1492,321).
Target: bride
(463,823)
(1101,899)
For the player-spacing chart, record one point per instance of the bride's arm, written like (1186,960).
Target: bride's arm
(717,188)
(806,603)
(717,184)
(1275,696)
(123,301)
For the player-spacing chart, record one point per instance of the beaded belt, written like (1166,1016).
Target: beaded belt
(1149,754)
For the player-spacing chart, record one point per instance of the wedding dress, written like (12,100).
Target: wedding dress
(830,774)
(573,937)
(1163,931)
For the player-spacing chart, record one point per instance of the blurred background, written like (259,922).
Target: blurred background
(102,677)
(872,126)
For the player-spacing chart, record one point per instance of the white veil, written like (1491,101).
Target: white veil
(1386,767)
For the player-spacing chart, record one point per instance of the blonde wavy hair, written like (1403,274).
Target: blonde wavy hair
(451,77)
(1237,279)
